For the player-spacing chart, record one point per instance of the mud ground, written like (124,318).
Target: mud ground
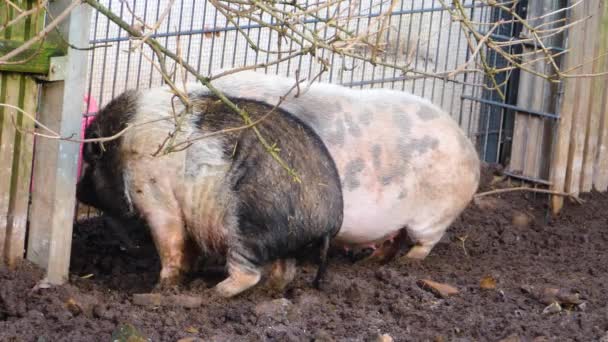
(524,257)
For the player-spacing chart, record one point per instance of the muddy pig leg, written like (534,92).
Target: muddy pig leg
(322,262)
(425,238)
(242,276)
(177,252)
(282,273)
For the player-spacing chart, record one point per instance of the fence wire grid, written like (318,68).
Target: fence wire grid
(421,32)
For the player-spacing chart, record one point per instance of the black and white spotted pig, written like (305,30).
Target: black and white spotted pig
(224,194)
(403,162)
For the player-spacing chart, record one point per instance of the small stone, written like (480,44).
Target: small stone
(147,299)
(323,336)
(549,295)
(486,203)
(183,301)
(552,309)
(511,338)
(190,339)
(487,283)
(521,220)
(35,314)
(74,307)
(127,333)
(439,338)
(384,338)
(192,330)
(99,311)
(541,339)
(276,309)
(439,289)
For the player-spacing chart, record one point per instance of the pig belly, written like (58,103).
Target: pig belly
(369,221)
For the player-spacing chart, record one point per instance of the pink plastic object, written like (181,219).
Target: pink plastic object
(92,108)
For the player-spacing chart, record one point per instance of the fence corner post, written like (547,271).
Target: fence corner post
(56,161)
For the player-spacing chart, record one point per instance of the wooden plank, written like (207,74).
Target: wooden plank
(37,57)
(3,192)
(600,173)
(16,149)
(559,164)
(11,94)
(52,210)
(595,101)
(22,170)
(532,135)
(581,113)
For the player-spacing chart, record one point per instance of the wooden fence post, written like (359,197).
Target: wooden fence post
(561,153)
(600,94)
(18,89)
(56,162)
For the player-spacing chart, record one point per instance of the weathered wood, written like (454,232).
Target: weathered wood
(561,152)
(15,149)
(594,106)
(532,135)
(56,163)
(581,105)
(4,193)
(21,175)
(37,58)
(600,172)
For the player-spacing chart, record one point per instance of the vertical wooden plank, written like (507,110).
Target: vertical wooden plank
(581,108)
(11,92)
(52,210)
(3,191)
(22,170)
(16,150)
(595,101)
(559,164)
(532,136)
(600,91)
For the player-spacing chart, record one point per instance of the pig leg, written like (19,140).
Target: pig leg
(322,262)
(243,276)
(425,238)
(389,248)
(176,251)
(282,273)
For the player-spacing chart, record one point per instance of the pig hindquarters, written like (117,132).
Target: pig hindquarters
(405,165)
(224,193)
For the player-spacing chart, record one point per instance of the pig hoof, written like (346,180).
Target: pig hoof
(282,273)
(418,252)
(237,283)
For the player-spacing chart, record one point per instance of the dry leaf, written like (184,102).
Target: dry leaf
(192,330)
(488,283)
(439,289)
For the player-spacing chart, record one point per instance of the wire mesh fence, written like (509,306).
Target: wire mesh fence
(421,34)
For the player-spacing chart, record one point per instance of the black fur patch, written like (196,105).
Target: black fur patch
(102,185)
(277,216)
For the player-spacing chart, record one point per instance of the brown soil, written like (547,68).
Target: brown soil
(359,301)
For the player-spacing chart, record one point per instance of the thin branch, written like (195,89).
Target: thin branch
(523,188)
